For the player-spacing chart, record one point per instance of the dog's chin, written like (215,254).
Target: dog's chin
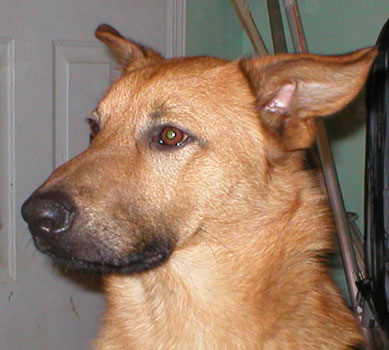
(154,255)
(124,267)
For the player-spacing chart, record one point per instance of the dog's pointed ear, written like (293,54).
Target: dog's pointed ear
(292,89)
(124,50)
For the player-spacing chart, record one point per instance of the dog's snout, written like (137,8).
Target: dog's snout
(49,213)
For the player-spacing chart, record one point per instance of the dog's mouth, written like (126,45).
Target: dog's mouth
(153,255)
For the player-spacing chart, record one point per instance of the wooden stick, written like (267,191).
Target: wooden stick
(248,24)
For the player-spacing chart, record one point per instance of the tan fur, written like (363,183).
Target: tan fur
(249,223)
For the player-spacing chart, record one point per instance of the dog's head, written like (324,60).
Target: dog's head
(182,146)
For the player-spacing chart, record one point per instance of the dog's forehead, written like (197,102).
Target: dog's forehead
(175,79)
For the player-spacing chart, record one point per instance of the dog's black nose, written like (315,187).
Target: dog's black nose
(49,213)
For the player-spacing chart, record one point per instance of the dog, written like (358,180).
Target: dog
(196,201)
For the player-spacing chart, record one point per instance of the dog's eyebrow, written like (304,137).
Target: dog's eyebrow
(160,111)
(157,113)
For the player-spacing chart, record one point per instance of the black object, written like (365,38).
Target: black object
(377,184)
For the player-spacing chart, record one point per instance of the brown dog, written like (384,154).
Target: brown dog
(195,196)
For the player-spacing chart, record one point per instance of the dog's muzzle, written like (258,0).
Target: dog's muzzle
(53,220)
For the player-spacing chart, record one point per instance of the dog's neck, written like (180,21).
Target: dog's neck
(236,283)
(171,307)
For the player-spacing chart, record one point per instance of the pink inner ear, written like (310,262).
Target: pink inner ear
(281,101)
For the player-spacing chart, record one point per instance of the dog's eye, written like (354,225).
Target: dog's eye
(170,137)
(94,128)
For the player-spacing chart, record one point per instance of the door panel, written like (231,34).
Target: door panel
(52,73)
(83,72)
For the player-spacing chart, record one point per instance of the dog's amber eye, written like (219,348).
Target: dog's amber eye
(171,136)
(94,128)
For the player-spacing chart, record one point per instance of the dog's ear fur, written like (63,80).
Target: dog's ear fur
(124,50)
(292,89)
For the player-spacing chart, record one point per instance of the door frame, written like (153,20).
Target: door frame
(176,28)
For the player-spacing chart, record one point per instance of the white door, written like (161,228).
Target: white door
(52,73)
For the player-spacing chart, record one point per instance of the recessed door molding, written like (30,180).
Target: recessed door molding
(7,160)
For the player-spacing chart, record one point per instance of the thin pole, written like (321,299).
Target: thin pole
(248,24)
(276,26)
(295,26)
(339,212)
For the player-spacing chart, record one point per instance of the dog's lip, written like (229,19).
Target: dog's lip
(152,256)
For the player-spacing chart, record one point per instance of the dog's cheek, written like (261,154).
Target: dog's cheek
(172,214)
(201,191)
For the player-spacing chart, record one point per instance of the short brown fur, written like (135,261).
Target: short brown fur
(247,223)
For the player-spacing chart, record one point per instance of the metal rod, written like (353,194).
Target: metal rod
(295,26)
(357,240)
(338,210)
(248,24)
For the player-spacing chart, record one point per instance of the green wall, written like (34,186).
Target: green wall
(213,29)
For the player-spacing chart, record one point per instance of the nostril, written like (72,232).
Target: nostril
(54,225)
(49,213)
(46,225)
